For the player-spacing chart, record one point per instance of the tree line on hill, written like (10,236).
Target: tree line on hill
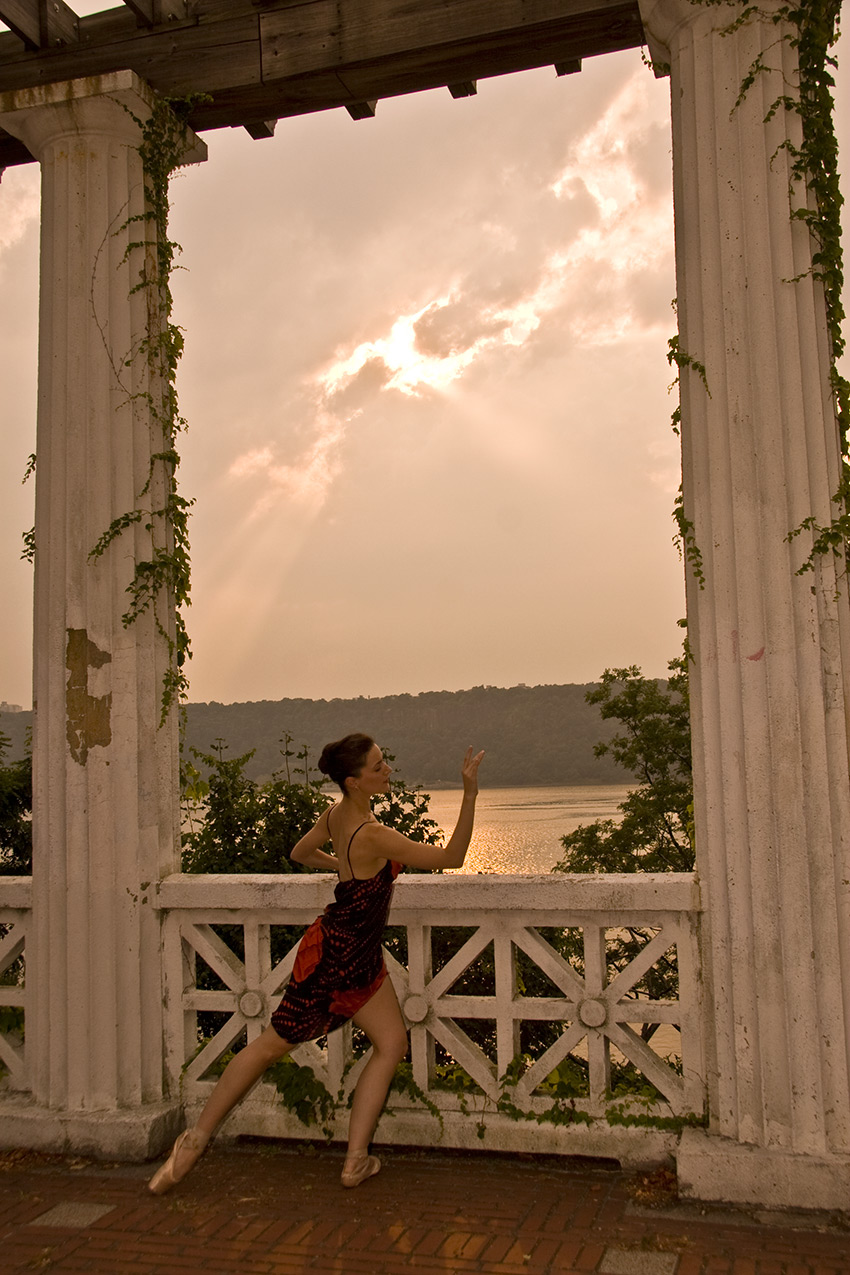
(532,734)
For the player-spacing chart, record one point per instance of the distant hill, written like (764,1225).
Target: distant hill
(532,734)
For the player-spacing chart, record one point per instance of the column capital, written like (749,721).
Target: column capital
(665,20)
(111,103)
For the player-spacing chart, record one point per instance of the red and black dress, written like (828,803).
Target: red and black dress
(339,964)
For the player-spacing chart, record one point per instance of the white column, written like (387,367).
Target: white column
(105,809)
(770,673)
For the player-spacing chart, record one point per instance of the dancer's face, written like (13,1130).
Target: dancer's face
(375,775)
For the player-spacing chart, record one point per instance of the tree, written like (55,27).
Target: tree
(233,824)
(655,833)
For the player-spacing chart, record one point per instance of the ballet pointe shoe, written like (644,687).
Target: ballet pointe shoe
(358,1168)
(185,1154)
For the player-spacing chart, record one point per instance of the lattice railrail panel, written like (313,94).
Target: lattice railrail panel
(14,927)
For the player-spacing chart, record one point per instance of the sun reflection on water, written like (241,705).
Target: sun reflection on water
(518,830)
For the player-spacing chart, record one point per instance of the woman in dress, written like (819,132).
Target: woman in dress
(339,972)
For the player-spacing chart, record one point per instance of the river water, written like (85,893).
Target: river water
(519,829)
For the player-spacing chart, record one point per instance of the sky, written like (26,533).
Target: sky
(425,379)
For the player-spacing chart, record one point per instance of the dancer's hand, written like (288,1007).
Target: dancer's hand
(469,771)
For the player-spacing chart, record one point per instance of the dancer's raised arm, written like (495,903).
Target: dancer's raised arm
(381,843)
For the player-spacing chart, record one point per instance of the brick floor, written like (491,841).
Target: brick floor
(262,1208)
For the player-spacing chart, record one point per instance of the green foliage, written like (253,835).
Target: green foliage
(237,825)
(302,1093)
(15,813)
(655,833)
(568,1081)
(404,1084)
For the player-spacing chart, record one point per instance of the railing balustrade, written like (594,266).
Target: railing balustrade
(485,992)
(500,929)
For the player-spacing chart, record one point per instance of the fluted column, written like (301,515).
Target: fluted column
(105,814)
(770,673)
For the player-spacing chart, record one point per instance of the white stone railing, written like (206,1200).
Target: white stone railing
(599,1008)
(15,916)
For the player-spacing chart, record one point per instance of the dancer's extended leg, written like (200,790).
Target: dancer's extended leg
(381,1020)
(241,1074)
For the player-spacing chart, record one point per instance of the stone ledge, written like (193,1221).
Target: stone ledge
(136,1134)
(589,892)
(717,1169)
(262,1116)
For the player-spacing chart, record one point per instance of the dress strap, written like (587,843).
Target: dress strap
(350,839)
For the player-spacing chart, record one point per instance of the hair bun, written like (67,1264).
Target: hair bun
(345,757)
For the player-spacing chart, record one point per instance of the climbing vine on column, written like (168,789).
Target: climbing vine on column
(163,580)
(814,166)
(811,27)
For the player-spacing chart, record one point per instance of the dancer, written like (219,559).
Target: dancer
(339,972)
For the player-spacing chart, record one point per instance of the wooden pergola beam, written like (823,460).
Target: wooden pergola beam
(41,24)
(263,60)
(151,12)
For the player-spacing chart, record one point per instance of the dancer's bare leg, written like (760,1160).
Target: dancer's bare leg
(381,1020)
(241,1074)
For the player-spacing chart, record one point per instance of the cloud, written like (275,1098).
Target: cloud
(21,203)
(626,235)
(580,256)
(631,238)
(305,482)
(454,327)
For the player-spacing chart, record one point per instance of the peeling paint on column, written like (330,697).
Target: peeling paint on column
(88,717)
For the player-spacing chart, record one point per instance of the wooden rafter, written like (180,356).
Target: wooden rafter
(149,13)
(258,61)
(41,24)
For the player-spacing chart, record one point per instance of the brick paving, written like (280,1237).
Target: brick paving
(266,1208)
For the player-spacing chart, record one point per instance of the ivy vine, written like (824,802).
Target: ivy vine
(166,573)
(684,539)
(632,1101)
(811,28)
(28,537)
(814,167)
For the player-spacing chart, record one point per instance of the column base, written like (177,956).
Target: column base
(136,1134)
(717,1169)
